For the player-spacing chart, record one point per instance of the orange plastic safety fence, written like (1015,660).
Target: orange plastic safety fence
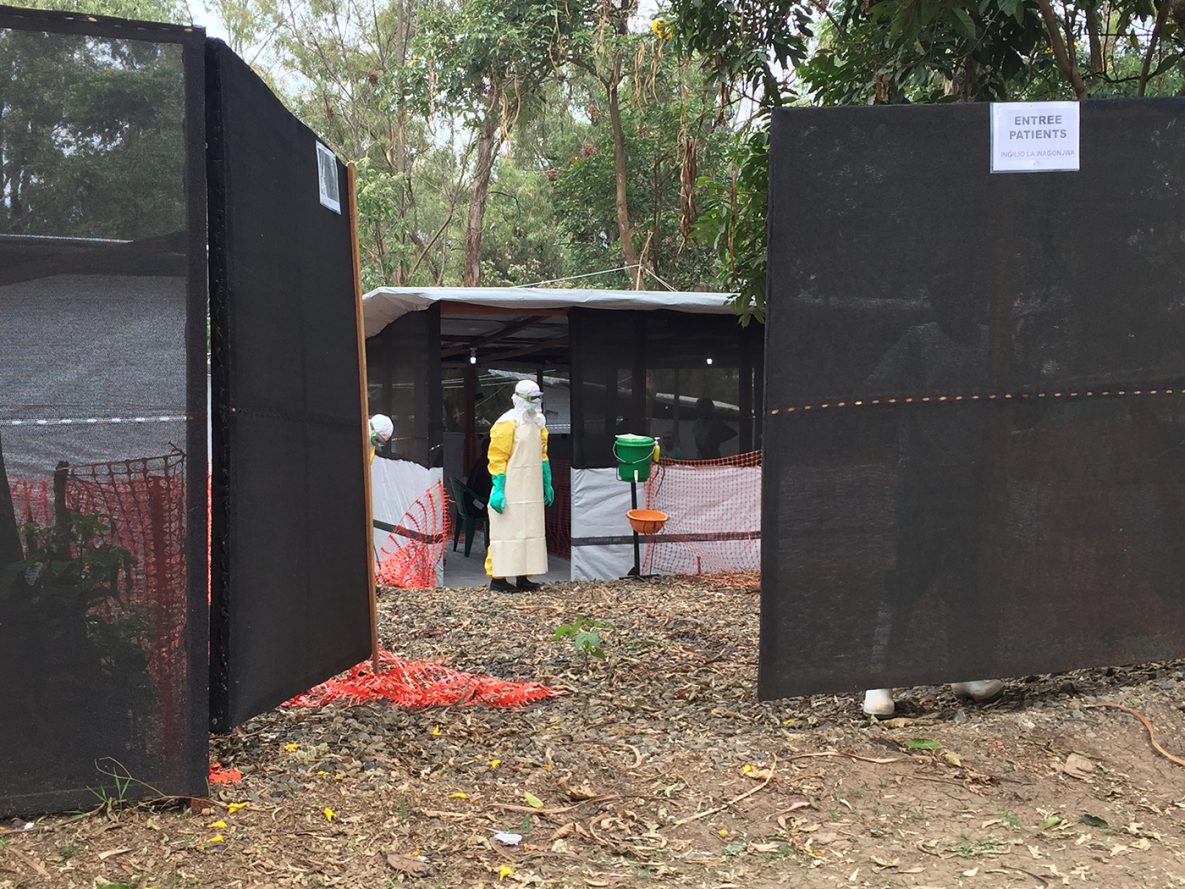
(415,548)
(714,524)
(32,500)
(421,684)
(144,499)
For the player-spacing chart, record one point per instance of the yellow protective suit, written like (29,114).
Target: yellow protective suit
(518,537)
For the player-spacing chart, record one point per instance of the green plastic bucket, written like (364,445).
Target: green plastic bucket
(634,453)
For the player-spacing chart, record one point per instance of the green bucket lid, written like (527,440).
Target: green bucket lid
(631,439)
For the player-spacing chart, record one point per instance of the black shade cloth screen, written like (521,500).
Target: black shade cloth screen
(404,382)
(102,412)
(689,379)
(975,435)
(289,543)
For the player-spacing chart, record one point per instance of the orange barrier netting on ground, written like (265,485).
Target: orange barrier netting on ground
(714,525)
(421,684)
(418,544)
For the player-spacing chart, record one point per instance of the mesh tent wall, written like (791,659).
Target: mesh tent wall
(654,373)
(102,411)
(974,463)
(409,506)
(404,377)
(289,579)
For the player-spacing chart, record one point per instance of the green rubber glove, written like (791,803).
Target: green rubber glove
(498,493)
(548,490)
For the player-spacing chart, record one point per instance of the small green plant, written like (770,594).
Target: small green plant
(111,801)
(68,850)
(1009,818)
(583,633)
(922,744)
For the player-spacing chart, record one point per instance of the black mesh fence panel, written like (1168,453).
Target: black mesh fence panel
(289,518)
(975,424)
(102,412)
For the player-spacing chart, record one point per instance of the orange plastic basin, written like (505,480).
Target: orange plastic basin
(647,521)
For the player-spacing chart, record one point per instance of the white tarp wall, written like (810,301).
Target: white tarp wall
(714,526)
(397,486)
(602,540)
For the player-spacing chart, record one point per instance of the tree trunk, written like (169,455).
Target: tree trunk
(1064,61)
(625,228)
(1094,40)
(487,151)
(1146,67)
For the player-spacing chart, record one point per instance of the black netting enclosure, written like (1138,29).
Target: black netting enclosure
(404,381)
(975,400)
(102,411)
(644,372)
(289,543)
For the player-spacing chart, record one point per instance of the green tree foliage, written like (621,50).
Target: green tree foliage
(893,51)
(503,142)
(488,60)
(166,11)
(464,117)
(672,149)
(90,135)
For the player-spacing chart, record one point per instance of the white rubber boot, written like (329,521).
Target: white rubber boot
(878,702)
(983,690)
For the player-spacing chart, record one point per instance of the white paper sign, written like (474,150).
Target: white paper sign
(1034,137)
(327,181)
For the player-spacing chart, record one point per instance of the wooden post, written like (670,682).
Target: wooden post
(363,396)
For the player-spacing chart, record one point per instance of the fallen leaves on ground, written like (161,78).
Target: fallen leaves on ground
(658,767)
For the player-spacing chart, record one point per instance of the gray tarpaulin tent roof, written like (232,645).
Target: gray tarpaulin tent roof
(386,304)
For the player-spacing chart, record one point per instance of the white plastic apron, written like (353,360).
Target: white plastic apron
(518,538)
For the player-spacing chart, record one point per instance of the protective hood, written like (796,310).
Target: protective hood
(381,429)
(528,403)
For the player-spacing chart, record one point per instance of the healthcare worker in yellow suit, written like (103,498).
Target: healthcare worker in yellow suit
(521,475)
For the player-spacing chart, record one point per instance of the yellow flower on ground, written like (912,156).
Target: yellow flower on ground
(291,745)
(458,795)
(218,825)
(234,807)
(504,871)
(329,814)
(217,838)
(494,763)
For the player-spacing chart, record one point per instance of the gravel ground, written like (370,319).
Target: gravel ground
(656,767)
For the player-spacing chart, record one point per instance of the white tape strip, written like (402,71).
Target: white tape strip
(92,421)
